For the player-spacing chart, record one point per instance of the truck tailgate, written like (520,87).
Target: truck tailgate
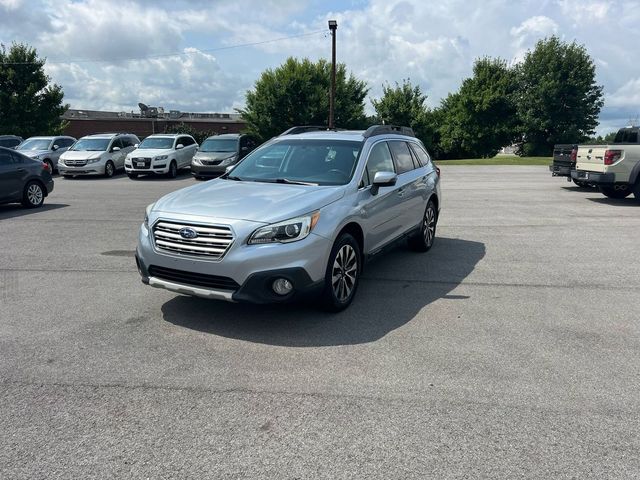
(591,158)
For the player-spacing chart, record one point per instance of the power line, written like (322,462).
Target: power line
(165,55)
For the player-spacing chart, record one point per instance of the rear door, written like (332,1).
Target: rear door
(11,173)
(411,185)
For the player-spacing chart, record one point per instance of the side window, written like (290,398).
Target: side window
(181,141)
(633,136)
(59,142)
(402,156)
(116,143)
(126,142)
(421,155)
(379,161)
(5,158)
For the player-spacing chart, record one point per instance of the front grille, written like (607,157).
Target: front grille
(195,279)
(212,241)
(146,160)
(75,163)
(211,162)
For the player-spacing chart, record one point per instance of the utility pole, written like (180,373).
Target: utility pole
(333,26)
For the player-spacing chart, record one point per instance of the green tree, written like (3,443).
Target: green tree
(297,93)
(480,118)
(198,135)
(601,140)
(29,103)
(558,98)
(404,105)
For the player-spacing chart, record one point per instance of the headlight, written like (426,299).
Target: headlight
(161,157)
(287,231)
(93,160)
(228,161)
(61,161)
(146,216)
(36,157)
(197,161)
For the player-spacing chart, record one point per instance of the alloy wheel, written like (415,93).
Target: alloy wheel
(429,225)
(34,194)
(344,272)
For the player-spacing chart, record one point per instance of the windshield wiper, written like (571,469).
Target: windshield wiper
(231,177)
(294,182)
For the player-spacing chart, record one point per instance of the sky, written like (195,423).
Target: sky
(193,55)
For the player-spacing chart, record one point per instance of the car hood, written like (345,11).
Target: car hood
(214,155)
(34,153)
(80,155)
(252,201)
(149,152)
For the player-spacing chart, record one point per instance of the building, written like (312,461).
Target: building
(150,120)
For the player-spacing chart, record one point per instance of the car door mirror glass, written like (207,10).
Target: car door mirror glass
(55,147)
(179,146)
(115,149)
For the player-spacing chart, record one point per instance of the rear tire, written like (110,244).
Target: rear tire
(343,274)
(173,170)
(580,183)
(33,195)
(636,191)
(423,240)
(611,192)
(109,169)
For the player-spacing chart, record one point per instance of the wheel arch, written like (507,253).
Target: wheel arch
(355,230)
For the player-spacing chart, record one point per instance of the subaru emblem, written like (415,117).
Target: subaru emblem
(188,233)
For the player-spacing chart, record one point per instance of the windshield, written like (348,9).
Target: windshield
(91,145)
(321,162)
(35,144)
(219,145)
(160,143)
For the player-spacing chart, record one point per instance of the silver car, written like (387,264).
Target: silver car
(46,149)
(297,217)
(99,154)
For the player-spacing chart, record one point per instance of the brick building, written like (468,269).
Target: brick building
(86,122)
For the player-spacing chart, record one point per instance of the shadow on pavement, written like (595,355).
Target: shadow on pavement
(393,289)
(182,173)
(13,210)
(618,202)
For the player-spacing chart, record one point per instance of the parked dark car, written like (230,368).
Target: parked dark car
(10,141)
(219,152)
(23,179)
(564,161)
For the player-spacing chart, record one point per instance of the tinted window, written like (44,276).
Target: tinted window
(379,161)
(127,142)
(402,156)
(626,136)
(9,142)
(186,141)
(5,158)
(421,155)
(116,143)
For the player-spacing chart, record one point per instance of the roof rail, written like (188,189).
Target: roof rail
(388,129)
(308,128)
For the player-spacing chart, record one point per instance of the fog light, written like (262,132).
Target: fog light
(282,286)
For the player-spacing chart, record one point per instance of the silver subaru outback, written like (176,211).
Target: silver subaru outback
(296,218)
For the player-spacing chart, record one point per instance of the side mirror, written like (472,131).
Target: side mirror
(115,149)
(245,148)
(383,179)
(179,146)
(55,147)
(135,145)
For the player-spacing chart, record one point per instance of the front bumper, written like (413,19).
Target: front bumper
(208,170)
(89,169)
(596,178)
(158,169)
(245,274)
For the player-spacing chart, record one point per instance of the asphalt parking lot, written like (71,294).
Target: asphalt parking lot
(511,350)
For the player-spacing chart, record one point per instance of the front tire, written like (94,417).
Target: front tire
(423,240)
(636,191)
(109,169)
(343,274)
(33,195)
(173,170)
(611,192)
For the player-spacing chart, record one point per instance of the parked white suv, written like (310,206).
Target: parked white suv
(99,154)
(161,154)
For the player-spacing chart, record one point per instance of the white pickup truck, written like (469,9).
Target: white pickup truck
(614,168)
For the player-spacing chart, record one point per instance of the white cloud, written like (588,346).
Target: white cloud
(583,11)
